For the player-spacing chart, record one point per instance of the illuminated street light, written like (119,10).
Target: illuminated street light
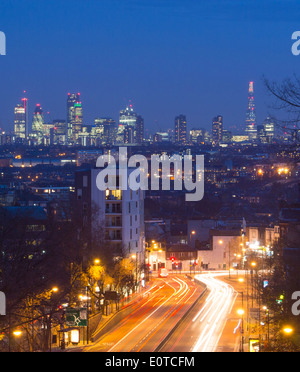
(97,261)
(54,289)
(241,313)
(17,333)
(288,330)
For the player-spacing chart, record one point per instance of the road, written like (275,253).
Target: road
(202,329)
(151,319)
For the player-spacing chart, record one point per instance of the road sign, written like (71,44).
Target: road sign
(76,317)
(112,296)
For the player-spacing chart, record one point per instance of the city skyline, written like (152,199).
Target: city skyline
(50,117)
(147,58)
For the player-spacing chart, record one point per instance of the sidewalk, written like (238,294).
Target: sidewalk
(105,319)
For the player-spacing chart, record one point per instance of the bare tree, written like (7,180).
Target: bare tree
(286,96)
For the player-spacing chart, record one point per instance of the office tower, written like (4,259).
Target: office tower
(77,121)
(59,132)
(129,135)
(131,127)
(105,129)
(37,131)
(261,134)
(71,100)
(226,136)
(160,137)
(139,130)
(180,130)
(251,129)
(269,128)
(217,130)
(196,135)
(119,213)
(128,117)
(20,122)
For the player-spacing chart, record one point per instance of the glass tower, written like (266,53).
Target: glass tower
(73,98)
(251,128)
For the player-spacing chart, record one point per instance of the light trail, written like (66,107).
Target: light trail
(163,311)
(212,317)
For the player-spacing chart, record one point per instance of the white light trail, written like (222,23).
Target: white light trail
(212,317)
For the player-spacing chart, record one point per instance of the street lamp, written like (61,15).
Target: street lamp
(241,313)
(253,265)
(193,232)
(288,330)
(134,257)
(17,333)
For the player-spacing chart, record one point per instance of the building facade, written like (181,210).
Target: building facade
(180,130)
(120,213)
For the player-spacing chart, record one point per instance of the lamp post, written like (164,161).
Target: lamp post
(53,290)
(241,312)
(134,257)
(253,265)
(193,232)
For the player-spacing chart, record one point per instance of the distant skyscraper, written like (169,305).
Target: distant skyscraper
(105,130)
(251,128)
(20,121)
(37,130)
(269,128)
(59,132)
(139,130)
(77,122)
(71,101)
(180,130)
(131,126)
(128,117)
(217,130)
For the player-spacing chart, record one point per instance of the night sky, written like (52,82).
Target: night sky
(168,57)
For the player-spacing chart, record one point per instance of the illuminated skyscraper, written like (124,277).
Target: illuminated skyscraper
(131,126)
(128,117)
(180,130)
(38,119)
(140,132)
(71,101)
(269,127)
(217,130)
(105,131)
(37,131)
(251,128)
(77,122)
(20,122)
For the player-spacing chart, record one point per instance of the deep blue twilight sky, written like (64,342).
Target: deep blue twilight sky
(194,57)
